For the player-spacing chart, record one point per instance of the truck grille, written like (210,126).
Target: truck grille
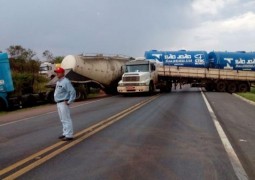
(130,78)
(131,84)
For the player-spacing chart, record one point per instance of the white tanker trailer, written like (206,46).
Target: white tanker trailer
(92,71)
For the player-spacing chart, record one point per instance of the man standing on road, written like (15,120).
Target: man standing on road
(64,95)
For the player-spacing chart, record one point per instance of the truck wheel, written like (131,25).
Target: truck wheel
(231,87)
(78,95)
(221,86)
(50,97)
(243,87)
(31,101)
(151,88)
(209,87)
(2,105)
(168,88)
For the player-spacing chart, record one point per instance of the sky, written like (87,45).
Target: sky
(127,27)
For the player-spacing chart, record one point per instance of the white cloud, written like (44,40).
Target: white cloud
(210,6)
(236,33)
(249,4)
(244,22)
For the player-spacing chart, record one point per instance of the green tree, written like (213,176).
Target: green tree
(18,52)
(51,58)
(58,59)
(48,55)
(24,68)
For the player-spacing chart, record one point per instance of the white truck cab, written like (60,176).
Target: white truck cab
(140,76)
(47,69)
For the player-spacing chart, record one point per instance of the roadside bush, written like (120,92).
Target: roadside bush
(26,82)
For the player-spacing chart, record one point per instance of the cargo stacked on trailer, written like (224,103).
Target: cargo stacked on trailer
(219,71)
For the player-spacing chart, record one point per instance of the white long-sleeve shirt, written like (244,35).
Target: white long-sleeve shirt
(64,91)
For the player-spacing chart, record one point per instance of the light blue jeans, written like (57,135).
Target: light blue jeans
(65,118)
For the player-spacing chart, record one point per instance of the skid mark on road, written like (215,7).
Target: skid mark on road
(235,162)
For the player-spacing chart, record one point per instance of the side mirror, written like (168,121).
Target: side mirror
(153,68)
(123,69)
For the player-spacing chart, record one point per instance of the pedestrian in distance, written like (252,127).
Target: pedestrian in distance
(64,95)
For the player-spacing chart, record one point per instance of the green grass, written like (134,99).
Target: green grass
(249,95)
(2,113)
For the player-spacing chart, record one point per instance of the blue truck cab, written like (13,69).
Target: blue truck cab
(6,83)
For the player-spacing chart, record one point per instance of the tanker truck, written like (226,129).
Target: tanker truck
(216,71)
(86,71)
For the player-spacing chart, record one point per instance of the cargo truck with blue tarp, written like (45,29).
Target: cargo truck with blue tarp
(219,71)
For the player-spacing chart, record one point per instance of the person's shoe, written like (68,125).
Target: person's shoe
(61,137)
(67,139)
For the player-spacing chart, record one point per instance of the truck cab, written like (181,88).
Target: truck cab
(140,76)
(47,69)
(6,83)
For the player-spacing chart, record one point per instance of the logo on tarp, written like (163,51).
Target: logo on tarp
(228,65)
(157,56)
(1,82)
(199,59)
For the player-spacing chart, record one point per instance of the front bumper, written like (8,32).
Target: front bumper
(132,89)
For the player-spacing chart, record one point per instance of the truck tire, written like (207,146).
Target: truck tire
(50,97)
(168,88)
(151,88)
(221,86)
(2,105)
(31,101)
(209,87)
(80,95)
(243,87)
(231,87)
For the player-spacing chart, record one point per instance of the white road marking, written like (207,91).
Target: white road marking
(244,99)
(25,119)
(242,140)
(237,166)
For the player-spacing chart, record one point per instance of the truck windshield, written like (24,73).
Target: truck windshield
(137,68)
(44,68)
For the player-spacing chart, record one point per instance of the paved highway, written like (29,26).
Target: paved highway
(166,136)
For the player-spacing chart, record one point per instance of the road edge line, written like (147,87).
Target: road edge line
(244,99)
(235,162)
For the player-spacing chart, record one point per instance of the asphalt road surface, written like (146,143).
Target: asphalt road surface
(171,136)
